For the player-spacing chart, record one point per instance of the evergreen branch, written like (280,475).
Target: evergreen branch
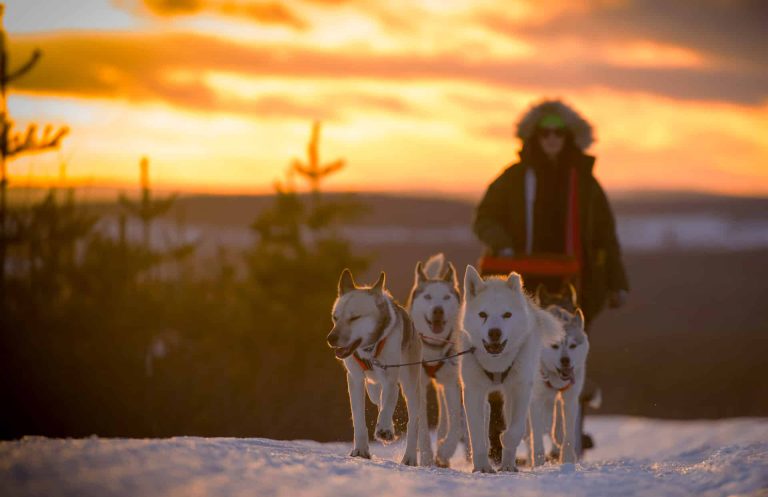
(24,68)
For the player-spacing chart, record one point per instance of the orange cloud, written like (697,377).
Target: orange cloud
(261,12)
(140,67)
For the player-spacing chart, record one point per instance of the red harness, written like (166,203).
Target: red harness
(432,370)
(365,364)
(563,389)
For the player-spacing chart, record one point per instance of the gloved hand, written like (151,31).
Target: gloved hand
(617,299)
(507,252)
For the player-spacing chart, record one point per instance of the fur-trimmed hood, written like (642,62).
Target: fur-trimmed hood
(579,127)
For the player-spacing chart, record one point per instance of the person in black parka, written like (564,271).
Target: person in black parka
(526,211)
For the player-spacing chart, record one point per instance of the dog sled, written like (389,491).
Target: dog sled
(536,267)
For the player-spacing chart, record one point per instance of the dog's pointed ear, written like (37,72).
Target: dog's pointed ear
(541,295)
(450,275)
(419,274)
(434,265)
(515,281)
(379,285)
(346,282)
(473,282)
(578,319)
(570,291)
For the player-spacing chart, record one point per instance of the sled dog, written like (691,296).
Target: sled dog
(565,298)
(555,399)
(434,305)
(370,330)
(506,329)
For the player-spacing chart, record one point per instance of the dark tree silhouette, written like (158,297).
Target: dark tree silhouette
(13,144)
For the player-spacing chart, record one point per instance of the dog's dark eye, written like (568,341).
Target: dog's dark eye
(354,318)
(555,346)
(507,315)
(572,346)
(483,315)
(446,297)
(428,297)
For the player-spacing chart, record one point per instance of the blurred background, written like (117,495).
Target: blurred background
(184,180)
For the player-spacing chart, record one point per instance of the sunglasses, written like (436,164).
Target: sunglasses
(546,132)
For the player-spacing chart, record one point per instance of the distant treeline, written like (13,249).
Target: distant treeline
(93,342)
(96,340)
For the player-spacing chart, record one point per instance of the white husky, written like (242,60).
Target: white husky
(506,329)
(370,332)
(434,304)
(555,401)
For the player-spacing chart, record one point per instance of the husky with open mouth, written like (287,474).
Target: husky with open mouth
(506,329)
(370,333)
(434,305)
(557,389)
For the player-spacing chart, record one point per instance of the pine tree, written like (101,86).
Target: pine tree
(147,208)
(14,144)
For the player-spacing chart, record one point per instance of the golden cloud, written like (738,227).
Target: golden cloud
(137,67)
(258,11)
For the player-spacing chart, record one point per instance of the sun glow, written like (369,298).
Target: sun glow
(425,96)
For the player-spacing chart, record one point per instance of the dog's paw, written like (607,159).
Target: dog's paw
(483,468)
(385,435)
(360,453)
(508,468)
(409,460)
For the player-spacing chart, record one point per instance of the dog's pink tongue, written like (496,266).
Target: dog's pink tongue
(437,327)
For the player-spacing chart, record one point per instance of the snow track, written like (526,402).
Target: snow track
(634,457)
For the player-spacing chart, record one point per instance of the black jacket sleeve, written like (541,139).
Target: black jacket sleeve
(606,229)
(490,219)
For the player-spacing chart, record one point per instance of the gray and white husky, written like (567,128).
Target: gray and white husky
(370,330)
(506,329)
(434,305)
(555,400)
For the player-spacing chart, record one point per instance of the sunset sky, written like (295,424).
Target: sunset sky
(417,96)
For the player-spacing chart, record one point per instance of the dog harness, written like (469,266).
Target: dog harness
(498,378)
(432,370)
(429,367)
(365,364)
(562,389)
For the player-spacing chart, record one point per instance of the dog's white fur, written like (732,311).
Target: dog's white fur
(434,305)
(555,400)
(364,317)
(500,308)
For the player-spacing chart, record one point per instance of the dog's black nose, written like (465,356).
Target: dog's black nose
(565,361)
(494,334)
(333,339)
(438,312)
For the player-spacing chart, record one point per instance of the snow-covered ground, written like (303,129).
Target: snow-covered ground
(633,457)
(637,233)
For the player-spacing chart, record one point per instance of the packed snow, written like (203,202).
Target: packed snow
(633,456)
